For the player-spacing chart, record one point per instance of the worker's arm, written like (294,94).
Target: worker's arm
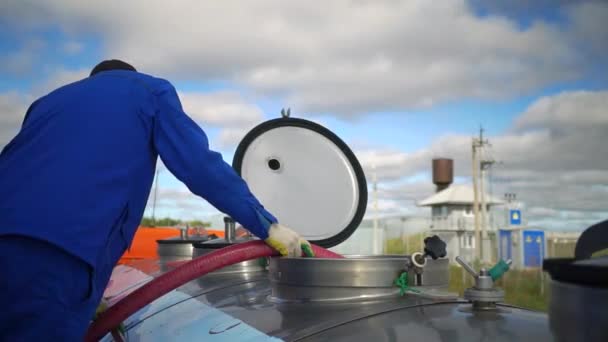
(184,148)
(29,110)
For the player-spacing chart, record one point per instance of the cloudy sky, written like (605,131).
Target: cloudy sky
(400,81)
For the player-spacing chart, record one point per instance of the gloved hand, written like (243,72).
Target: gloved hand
(287,242)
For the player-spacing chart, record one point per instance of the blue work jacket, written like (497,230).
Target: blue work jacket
(79,172)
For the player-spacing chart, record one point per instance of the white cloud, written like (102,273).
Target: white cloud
(407,193)
(543,212)
(384,207)
(72,47)
(353,57)
(178,202)
(401,197)
(387,164)
(589,29)
(12,111)
(58,77)
(223,108)
(572,110)
(554,157)
(392,164)
(228,110)
(22,61)
(344,56)
(564,132)
(229,138)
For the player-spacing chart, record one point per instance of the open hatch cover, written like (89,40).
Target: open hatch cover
(306,176)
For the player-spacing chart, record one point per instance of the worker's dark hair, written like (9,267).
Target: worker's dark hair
(111,64)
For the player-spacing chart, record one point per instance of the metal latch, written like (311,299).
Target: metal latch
(435,248)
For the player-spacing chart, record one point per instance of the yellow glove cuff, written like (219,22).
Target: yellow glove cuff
(276,244)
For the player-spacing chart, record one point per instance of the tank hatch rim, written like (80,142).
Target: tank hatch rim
(572,271)
(353,278)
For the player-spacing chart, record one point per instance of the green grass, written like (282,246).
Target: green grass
(600,253)
(405,245)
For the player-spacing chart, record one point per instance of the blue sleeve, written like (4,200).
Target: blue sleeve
(184,148)
(29,110)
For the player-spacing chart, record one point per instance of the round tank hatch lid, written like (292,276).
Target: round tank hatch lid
(306,176)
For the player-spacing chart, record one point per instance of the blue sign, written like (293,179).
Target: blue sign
(515,217)
(534,247)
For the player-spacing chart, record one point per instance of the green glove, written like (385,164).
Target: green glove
(307,250)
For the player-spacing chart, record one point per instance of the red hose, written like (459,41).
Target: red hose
(181,275)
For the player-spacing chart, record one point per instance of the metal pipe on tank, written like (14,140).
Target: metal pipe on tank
(229,229)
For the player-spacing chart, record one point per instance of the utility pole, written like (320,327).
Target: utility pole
(485,164)
(486,243)
(404,235)
(375,193)
(482,241)
(476,201)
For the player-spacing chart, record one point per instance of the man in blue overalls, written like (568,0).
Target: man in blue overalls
(74,183)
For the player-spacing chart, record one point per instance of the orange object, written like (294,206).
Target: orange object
(144,242)
(218,233)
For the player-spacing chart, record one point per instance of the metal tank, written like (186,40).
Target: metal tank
(312,182)
(443,173)
(578,309)
(354,299)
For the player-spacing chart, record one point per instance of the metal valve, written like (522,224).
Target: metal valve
(484,295)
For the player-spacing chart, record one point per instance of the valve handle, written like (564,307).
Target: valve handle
(467,267)
(499,269)
(495,272)
(434,247)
